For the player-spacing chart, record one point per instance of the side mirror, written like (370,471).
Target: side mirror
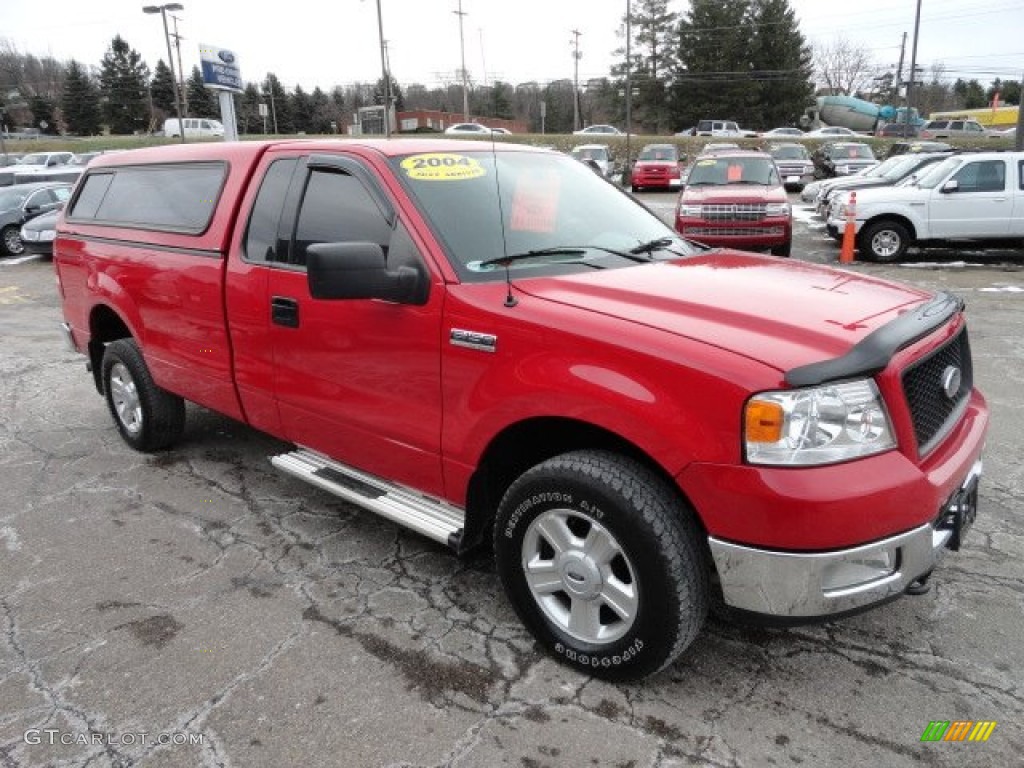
(359,271)
(950,186)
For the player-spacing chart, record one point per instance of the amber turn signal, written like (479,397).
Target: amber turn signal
(764,421)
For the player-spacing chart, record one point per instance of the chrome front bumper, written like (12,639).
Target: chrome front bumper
(792,584)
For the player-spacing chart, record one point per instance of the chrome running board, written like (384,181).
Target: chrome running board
(430,517)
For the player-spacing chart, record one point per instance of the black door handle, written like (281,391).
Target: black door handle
(284,311)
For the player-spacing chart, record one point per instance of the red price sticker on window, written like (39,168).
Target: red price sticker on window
(535,202)
(734,173)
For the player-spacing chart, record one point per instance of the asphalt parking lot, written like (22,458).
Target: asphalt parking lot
(197,608)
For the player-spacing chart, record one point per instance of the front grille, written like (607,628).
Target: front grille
(735,231)
(733,211)
(931,410)
(791,170)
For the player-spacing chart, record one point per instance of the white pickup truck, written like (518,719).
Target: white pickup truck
(977,196)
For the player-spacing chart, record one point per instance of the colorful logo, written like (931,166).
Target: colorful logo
(958,730)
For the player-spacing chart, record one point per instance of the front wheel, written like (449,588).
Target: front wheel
(602,561)
(149,418)
(884,241)
(11,239)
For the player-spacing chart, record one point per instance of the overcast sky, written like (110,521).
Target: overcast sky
(328,42)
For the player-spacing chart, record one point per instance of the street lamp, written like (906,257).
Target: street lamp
(162,10)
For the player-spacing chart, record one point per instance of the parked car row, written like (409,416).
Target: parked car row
(23,202)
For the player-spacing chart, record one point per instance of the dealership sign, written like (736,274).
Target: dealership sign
(220,68)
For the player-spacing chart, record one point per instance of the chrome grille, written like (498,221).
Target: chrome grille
(733,211)
(734,231)
(931,410)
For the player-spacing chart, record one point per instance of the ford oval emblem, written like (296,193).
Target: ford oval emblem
(951,381)
(226,56)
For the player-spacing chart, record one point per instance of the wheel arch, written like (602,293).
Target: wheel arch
(899,218)
(105,326)
(527,443)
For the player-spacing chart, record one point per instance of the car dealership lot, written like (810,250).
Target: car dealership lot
(198,608)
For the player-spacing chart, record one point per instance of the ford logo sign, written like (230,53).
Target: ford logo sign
(226,56)
(951,379)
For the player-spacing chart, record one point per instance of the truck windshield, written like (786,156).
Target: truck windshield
(484,205)
(937,173)
(718,171)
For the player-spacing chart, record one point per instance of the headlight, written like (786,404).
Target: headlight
(29,234)
(843,169)
(691,211)
(776,209)
(48,234)
(817,425)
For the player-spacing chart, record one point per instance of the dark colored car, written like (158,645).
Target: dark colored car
(795,165)
(657,167)
(37,235)
(842,158)
(736,200)
(898,130)
(911,147)
(20,203)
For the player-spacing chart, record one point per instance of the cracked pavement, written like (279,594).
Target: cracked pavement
(200,592)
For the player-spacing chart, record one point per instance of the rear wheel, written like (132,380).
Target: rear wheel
(11,239)
(884,241)
(149,418)
(602,560)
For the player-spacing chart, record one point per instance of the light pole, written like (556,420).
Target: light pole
(181,69)
(462,45)
(162,10)
(576,79)
(629,90)
(384,72)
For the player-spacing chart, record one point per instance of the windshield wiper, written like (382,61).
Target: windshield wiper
(657,244)
(514,257)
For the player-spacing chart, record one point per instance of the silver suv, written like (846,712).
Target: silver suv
(954,129)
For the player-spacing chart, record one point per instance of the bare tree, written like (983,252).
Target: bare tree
(843,67)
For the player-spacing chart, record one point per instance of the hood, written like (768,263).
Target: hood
(782,313)
(733,193)
(897,193)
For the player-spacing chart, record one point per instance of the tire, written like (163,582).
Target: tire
(148,417)
(883,241)
(782,250)
(10,241)
(626,538)
(634,188)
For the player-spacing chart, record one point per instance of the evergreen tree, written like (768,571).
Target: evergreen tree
(782,64)
(280,104)
(80,102)
(713,75)
(501,100)
(302,111)
(123,87)
(321,111)
(654,35)
(42,114)
(249,119)
(202,102)
(161,89)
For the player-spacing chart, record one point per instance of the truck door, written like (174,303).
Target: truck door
(979,206)
(356,379)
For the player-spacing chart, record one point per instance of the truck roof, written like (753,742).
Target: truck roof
(249,151)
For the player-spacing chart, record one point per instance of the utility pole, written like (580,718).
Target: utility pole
(627,172)
(576,80)
(384,70)
(913,59)
(483,61)
(899,68)
(462,46)
(181,72)
(1018,142)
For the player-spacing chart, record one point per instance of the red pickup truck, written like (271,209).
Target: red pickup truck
(490,343)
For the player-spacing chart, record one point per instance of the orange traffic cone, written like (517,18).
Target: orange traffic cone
(850,232)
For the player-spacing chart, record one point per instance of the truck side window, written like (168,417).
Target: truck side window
(336,208)
(983,176)
(265,219)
